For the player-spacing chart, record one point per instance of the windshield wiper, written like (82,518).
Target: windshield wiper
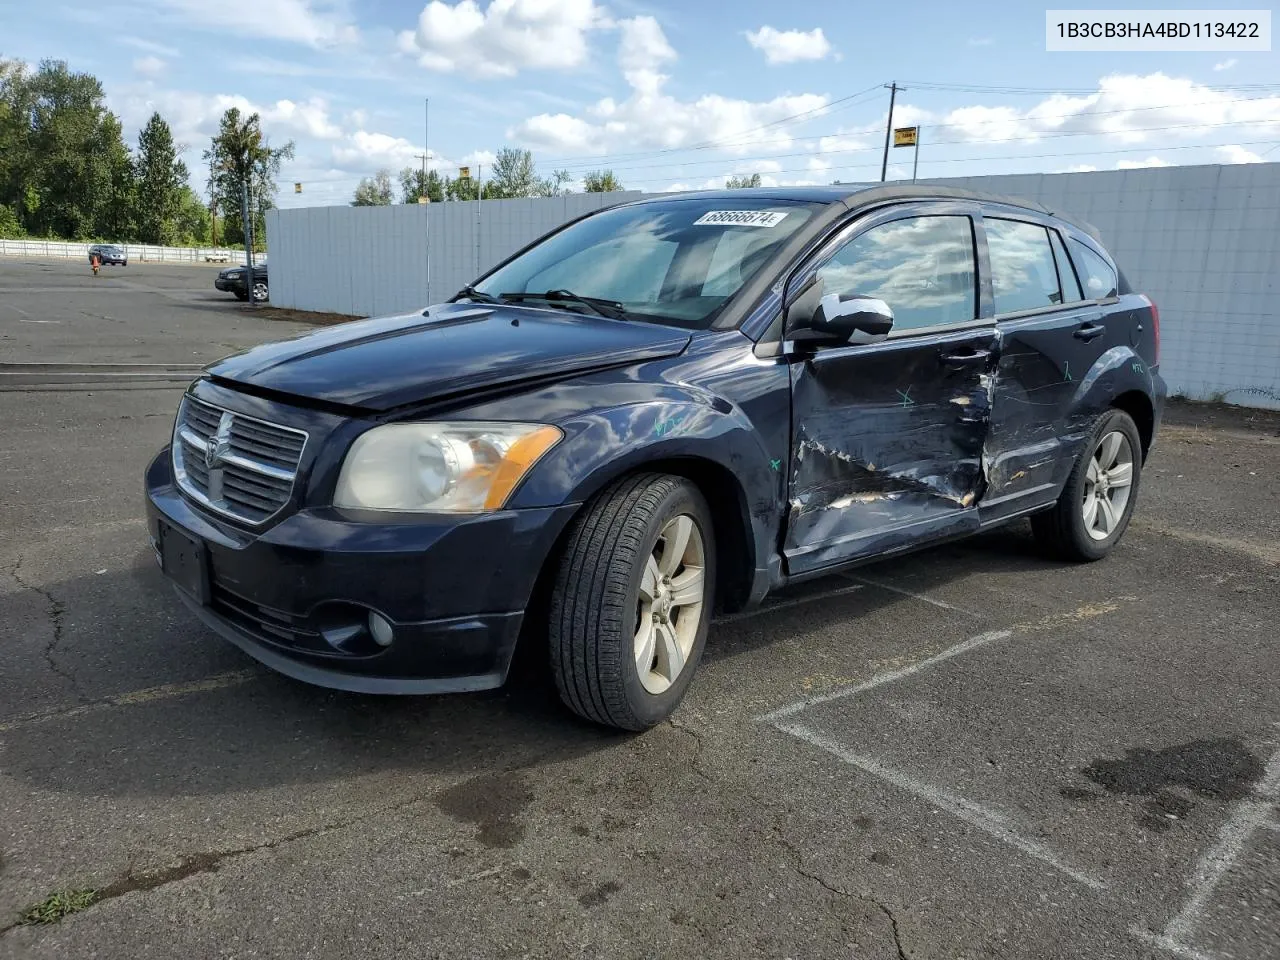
(477,296)
(597,305)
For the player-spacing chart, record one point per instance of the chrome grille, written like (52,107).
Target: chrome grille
(236,465)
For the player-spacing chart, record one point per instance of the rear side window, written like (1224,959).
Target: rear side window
(1023,273)
(922,267)
(1097,276)
(1066,275)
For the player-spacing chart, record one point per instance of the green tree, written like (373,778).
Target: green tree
(413,185)
(740,182)
(514,175)
(190,224)
(64,168)
(161,178)
(601,181)
(374,191)
(460,189)
(10,228)
(241,155)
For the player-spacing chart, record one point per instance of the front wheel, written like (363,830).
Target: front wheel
(632,601)
(1099,496)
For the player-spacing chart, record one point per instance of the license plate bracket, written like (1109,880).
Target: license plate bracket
(184,560)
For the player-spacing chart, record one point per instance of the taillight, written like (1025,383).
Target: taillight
(1155,325)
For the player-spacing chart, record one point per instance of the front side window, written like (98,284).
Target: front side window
(922,267)
(1023,273)
(1096,275)
(675,262)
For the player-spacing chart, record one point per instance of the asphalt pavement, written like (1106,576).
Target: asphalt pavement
(971,752)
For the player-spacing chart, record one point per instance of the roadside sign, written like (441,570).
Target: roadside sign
(424,199)
(905,136)
(297,188)
(464,173)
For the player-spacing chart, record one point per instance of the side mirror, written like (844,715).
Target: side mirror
(849,318)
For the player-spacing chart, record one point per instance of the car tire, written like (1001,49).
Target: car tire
(260,292)
(624,595)
(1081,526)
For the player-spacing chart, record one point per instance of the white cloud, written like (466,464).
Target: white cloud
(1151,161)
(1234,153)
(195,116)
(506,37)
(363,150)
(1125,107)
(651,118)
(789,46)
(316,23)
(1226,64)
(149,66)
(641,53)
(1080,168)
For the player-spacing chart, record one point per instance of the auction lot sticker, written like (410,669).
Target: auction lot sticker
(742,218)
(1233,31)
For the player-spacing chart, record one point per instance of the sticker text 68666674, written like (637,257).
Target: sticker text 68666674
(742,218)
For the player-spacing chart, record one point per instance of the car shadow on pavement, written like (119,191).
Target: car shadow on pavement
(176,733)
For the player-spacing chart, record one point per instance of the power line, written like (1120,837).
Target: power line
(1030,156)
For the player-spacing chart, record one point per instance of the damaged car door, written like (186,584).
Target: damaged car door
(887,436)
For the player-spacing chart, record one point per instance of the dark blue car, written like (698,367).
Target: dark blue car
(662,410)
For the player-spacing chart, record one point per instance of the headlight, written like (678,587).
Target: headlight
(462,467)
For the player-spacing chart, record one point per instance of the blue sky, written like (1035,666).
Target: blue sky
(668,94)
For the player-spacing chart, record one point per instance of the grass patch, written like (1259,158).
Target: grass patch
(57,905)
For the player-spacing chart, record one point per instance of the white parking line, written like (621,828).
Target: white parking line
(973,643)
(975,814)
(923,598)
(1248,816)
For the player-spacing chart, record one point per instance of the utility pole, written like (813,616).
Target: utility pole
(426,190)
(479,194)
(888,129)
(213,203)
(248,239)
(915,160)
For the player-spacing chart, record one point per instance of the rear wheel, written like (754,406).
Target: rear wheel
(632,601)
(1098,499)
(259,291)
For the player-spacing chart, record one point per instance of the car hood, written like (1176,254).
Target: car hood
(446,351)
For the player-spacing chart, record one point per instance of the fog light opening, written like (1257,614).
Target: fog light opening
(382,631)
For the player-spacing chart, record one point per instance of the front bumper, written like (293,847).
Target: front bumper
(229,286)
(296,595)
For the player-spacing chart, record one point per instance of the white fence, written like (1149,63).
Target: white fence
(1203,242)
(367,261)
(56,249)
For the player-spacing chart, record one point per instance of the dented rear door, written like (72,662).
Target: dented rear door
(887,438)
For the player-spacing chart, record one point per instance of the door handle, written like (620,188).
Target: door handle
(966,359)
(1089,331)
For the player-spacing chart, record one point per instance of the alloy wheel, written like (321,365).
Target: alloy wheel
(1108,484)
(672,590)
(259,291)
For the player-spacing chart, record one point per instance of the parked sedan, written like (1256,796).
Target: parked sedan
(236,280)
(660,410)
(109,254)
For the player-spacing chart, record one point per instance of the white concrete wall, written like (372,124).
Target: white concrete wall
(1203,242)
(368,261)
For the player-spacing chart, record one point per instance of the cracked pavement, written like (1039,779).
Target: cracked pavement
(1122,727)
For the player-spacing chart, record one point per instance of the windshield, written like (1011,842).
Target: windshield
(675,262)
